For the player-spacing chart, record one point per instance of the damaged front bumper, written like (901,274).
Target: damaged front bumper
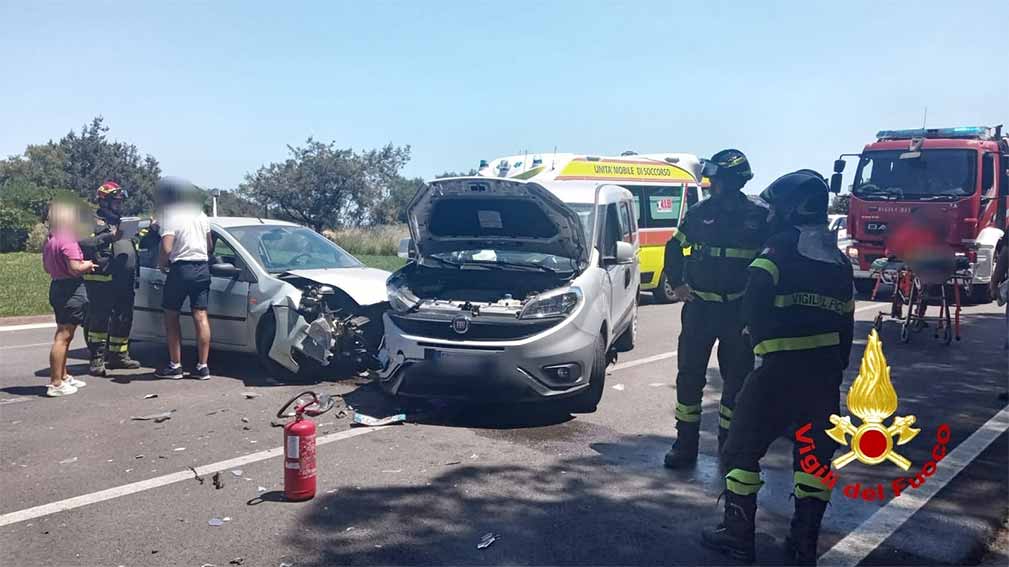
(513,371)
(327,337)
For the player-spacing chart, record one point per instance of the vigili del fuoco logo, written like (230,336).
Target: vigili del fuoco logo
(873,399)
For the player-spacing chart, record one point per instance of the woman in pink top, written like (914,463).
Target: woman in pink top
(65,263)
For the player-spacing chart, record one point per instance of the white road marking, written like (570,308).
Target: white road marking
(165,480)
(5,401)
(641,361)
(28,327)
(33,345)
(857,545)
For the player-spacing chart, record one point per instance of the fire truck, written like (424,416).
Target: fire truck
(957,178)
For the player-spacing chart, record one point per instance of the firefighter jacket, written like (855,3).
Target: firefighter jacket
(723,236)
(794,302)
(115,256)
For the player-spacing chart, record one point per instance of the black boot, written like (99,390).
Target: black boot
(800,545)
(734,536)
(684,451)
(121,361)
(97,366)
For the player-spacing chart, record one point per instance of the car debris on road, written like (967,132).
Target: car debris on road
(487,540)
(369,421)
(155,417)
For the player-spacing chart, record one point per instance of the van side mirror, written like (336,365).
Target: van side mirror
(406,250)
(625,252)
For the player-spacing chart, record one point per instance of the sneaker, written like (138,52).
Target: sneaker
(64,389)
(74,381)
(173,372)
(202,373)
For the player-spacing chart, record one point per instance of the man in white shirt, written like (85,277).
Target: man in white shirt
(186,245)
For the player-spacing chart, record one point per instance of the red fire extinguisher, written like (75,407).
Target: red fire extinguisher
(299,444)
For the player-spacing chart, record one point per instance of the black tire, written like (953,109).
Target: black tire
(587,400)
(663,293)
(626,341)
(863,285)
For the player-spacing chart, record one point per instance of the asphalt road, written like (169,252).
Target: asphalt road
(587,489)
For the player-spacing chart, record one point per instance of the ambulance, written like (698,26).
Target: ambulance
(664,185)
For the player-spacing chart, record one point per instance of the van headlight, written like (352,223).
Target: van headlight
(400,298)
(553,304)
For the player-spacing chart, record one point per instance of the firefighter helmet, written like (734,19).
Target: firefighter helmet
(110,190)
(730,166)
(799,197)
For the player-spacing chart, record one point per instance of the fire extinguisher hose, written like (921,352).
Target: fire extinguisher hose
(324,403)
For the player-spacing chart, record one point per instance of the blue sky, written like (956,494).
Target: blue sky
(216,89)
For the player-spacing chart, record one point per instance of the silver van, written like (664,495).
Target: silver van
(516,292)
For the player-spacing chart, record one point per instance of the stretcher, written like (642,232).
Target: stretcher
(916,288)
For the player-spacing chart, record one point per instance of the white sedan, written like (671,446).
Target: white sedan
(277,289)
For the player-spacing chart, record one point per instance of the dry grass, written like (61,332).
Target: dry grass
(369,241)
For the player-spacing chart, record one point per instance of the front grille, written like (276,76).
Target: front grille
(480,329)
(646,277)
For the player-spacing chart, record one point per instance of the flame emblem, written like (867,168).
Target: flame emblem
(873,399)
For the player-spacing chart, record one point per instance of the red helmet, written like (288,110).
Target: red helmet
(110,190)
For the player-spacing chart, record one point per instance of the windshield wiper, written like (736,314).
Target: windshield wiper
(869,191)
(933,197)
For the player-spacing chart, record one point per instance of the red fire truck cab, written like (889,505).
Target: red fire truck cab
(957,178)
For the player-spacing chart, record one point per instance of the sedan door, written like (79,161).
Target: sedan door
(148,322)
(228,304)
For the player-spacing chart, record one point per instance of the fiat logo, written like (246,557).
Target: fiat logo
(460,325)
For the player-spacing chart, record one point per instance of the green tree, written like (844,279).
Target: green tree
(444,174)
(322,185)
(392,209)
(839,204)
(80,162)
(232,204)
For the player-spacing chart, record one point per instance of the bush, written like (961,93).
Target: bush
(37,237)
(15,224)
(381,240)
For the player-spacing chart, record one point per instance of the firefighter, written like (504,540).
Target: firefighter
(111,286)
(799,313)
(724,234)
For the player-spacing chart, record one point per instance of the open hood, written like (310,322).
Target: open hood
(476,213)
(366,286)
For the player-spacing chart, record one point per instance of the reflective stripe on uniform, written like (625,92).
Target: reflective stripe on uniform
(768,266)
(98,277)
(690,413)
(809,486)
(716,297)
(96,336)
(807,299)
(797,343)
(724,416)
(744,253)
(681,238)
(119,344)
(743,483)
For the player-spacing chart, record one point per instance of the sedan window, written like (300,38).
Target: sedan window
(284,248)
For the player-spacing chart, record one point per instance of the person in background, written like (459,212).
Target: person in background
(64,261)
(999,278)
(185,252)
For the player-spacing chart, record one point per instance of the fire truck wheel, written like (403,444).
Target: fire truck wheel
(980,294)
(863,285)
